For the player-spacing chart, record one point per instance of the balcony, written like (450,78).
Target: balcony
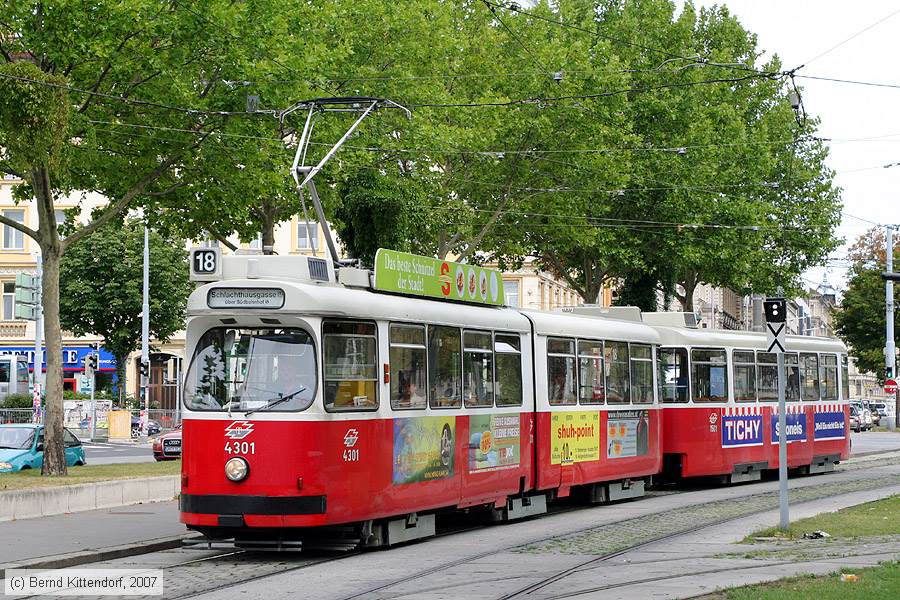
(13,329)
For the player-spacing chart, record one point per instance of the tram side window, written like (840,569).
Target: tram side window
(709,376)
(792,374)
(445,367)
(561,371)
(408,358)
(845,378)
(766,376)
(350,359)
(829,378)
(618,386)
(809,376)
(744,376)
(591,385)
(508,367)
(478,369)
(673,374)
(641,374)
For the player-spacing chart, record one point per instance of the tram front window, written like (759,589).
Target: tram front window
(252,369)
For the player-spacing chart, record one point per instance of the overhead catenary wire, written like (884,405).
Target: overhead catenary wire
(852,37)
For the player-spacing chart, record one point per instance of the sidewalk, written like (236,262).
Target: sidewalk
(711,559)
(29,539)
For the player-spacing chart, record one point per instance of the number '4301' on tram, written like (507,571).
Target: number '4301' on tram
(334,398)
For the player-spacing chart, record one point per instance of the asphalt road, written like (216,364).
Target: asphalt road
(104,453)
(874,441)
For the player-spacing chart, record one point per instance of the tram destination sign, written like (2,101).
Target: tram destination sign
(415,275)
(229,297)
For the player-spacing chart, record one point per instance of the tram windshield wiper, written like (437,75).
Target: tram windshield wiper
(275,402)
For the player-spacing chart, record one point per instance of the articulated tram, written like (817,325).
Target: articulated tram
(317,398)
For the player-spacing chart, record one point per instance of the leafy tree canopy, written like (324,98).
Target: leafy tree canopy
(101,288)
(860,321)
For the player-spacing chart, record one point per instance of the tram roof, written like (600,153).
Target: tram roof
(586,326)
(682,336)
(330,300)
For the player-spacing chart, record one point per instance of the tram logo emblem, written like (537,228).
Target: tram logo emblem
(351,437)
(238,430)
(713,417)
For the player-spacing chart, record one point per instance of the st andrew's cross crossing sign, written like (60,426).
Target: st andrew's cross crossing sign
(776,317)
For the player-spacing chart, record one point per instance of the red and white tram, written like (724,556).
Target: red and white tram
(312,400)
(720,402)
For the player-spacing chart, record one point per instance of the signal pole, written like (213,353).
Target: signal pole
(38,326)
(889,349)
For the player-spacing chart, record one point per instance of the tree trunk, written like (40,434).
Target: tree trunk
(689,284)
(54,448)
(267,227)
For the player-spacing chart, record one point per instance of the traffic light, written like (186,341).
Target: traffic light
(144,369)
(93,361)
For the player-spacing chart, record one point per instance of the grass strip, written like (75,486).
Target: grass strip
(881,517)
(31,478)
(873,583)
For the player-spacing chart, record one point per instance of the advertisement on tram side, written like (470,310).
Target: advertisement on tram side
(830,425)
(795,425)
(742,426)
(423,449)
(493,442)
(574,437)
(628,433)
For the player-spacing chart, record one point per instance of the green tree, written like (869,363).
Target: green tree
(115,98)
(860,320)
(101,288)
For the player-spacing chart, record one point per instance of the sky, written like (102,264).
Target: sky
(805,32)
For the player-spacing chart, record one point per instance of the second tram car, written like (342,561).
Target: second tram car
(720,399)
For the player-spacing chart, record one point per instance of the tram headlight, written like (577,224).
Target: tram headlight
(236,469)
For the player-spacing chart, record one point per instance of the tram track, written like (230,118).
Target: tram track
(668,516)
(197,577)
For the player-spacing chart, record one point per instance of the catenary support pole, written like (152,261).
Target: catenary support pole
(145,336)
(784,520)
(889,348)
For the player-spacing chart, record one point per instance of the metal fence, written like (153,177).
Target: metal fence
(79,421)
(17,415)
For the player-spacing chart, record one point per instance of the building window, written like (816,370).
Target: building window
(13,239)
(511,292)
(307,235)
(9,300)
(256,243)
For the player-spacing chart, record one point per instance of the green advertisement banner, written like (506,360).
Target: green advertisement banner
(424,276)
(423,449)
(493,442)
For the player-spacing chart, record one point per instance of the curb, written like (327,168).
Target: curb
(62,561)
(63,499)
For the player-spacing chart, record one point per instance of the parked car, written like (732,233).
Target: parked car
(865,415)
(168,445)
(152,426)
(22,447)
(854,419)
